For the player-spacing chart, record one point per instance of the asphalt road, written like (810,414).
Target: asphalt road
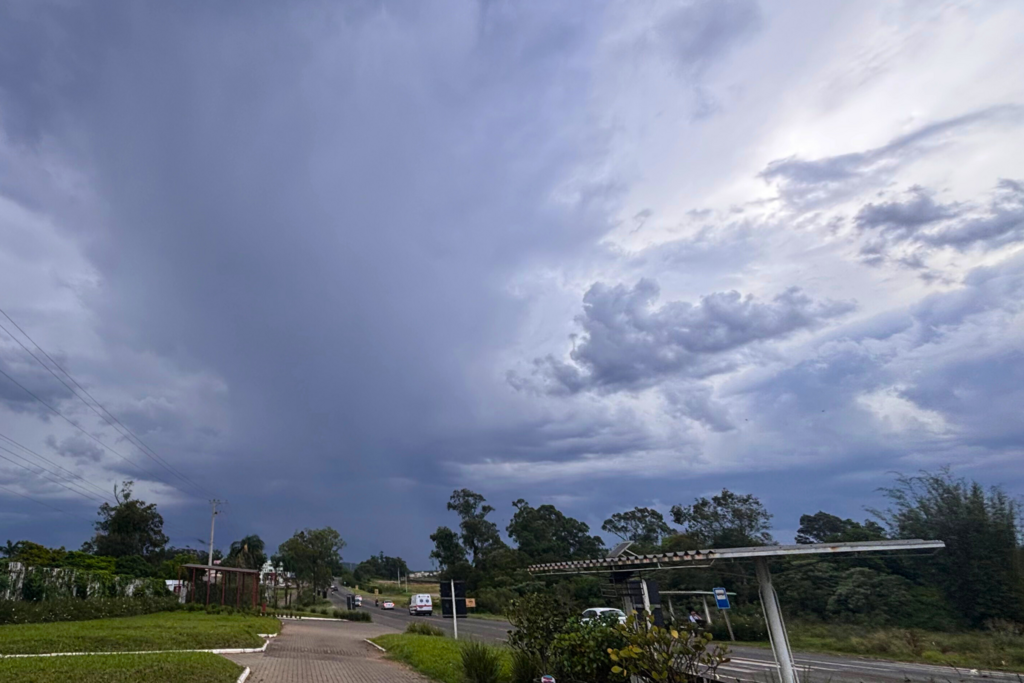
(747,665)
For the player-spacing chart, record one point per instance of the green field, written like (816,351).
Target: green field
(435,657)
(160,631)
(195,667)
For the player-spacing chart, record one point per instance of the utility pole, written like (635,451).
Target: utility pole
(213,517)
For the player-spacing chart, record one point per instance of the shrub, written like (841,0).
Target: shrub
(580,652)
(536,620)
(353,615)
(422,628)
(74,609)
(527,667)
(665,655)
(480,663)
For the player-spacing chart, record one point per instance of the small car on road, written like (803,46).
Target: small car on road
(387,604)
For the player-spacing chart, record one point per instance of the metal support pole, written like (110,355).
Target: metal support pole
(647,597)
(455,613)
(671,610)
(776,627)
(707,612)
(213,518)
(728,624)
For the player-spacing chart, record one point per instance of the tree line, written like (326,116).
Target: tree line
(129,540)
(953,588)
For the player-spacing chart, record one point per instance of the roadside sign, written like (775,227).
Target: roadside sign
(722,598)
(470,602)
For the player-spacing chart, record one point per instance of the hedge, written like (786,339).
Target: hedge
(76,609)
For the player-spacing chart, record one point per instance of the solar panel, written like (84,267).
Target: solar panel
(619,549)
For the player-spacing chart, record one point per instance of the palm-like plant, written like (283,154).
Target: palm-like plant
(247,553)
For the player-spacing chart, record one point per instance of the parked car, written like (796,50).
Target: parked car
(388,605)
(421,604)
(359,601)
(334,589)
(603,613)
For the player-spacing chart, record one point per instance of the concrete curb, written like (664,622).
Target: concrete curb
(374,644)
(244,675)
(311,618)
(216,651)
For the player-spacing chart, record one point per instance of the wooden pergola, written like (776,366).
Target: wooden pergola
(223,577)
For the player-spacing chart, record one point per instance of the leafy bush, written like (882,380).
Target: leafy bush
(536,620)
(422,628)
(665,655)
(746,626)
(480,663)
(73,609)
(580,652)
(494,600)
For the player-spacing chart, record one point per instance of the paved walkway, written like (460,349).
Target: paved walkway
(325,652)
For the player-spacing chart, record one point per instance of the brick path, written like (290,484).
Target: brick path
(325,652)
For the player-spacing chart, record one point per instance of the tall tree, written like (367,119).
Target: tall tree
(247,553)
(131,527)
(643,526)
(822,527)
(314,555)
(727,520)
(448,551)
(982,536)
(545,534)
(479,535)
(381,567)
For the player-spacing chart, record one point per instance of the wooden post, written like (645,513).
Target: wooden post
(238,592)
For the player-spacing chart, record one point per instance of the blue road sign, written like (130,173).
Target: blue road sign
(722,598)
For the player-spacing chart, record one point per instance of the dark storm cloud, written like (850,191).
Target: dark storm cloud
(809,182)
(628,342)
(32,378)
(320,206)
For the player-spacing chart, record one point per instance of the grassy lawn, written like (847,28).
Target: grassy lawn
(195,667)
(160,631)
(970,650)
(434,657)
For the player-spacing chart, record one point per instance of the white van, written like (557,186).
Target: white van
(421,604)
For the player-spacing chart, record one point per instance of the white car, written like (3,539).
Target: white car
(359,601)
(602,613)
(388,605)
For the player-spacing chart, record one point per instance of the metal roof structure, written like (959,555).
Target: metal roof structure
(219,568)
(682,558)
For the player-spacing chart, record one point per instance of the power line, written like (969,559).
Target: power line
(69,472)
(106,415)
(39,502)
(80,492)
(81,429)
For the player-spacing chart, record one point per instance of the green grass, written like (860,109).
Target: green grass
(159,631)
(436,658)
(195,667)
(487,616)
(968,650)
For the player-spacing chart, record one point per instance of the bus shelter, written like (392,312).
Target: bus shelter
(622,565)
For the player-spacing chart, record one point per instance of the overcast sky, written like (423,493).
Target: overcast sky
(332,260)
